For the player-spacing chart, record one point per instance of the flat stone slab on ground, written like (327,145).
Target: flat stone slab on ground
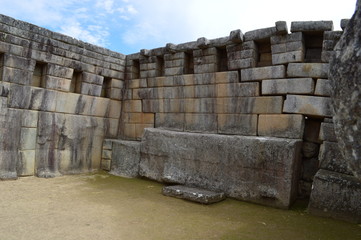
(193,194)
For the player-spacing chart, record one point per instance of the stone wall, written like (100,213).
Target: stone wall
(59,98)
(247,114)
(266,82)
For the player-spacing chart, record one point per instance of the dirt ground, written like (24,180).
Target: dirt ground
(105,207)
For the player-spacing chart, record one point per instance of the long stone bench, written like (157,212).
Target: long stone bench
(262,170)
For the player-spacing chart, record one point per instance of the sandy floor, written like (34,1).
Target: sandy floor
(107,207)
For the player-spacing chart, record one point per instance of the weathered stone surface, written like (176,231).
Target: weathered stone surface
(327,132)
(309,168)
(288,40)
(261,73)
(111,127)
(193,194)
(281,27)
(288,57)
(336,195)
(105,164)
(227,77)
(28,139)
(312,70)
(68,103)
(10,125)
(15,75)
(91,89)
(312,130)
(257,169)
(68,144)
(331,158)
(34,60)
(42,99)
(203,123)
(55,83)
(133,106)
(344,23)
(202,42)
(106,154)
(59,71)
(108,144)
(114,110)
(237,124)
(171,121)
(30,119)
(323,87)
(286,44)
(287,86)
(310,149)
(26,163)
(14,61)
(250,105)
(345,73)
(238,90)
(19,96)
(260,34)
(236,36)
(46,164)
(4,88)
(125,158)
(281,125)
(309,105)
(304,189)
(311,26)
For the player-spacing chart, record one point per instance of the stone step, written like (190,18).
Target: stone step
(193,194)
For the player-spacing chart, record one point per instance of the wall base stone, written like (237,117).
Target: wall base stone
(336,195)
(125,158)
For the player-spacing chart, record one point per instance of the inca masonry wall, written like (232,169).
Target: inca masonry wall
(70,107)
(60,98)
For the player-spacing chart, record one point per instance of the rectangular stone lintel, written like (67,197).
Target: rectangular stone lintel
(311,26)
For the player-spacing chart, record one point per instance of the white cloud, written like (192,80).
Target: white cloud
(93,34)
(131,9)
(140,33)
(178,21)
(107,5)
(125,17)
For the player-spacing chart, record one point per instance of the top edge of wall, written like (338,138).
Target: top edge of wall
(12,22)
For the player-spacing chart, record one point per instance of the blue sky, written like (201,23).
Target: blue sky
(127,26)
